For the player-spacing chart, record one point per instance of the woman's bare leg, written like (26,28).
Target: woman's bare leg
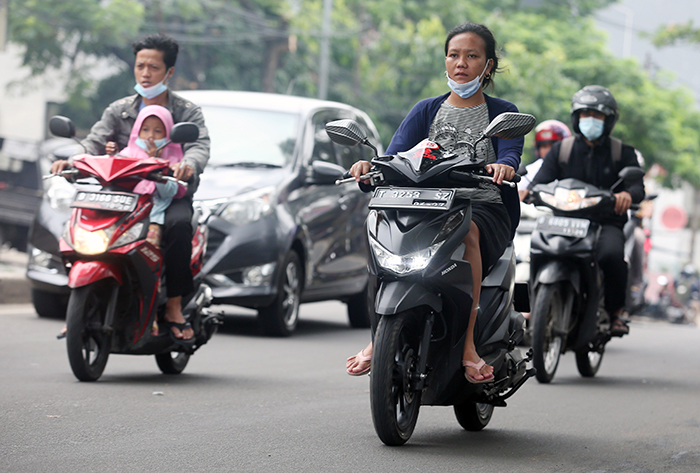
(472,253)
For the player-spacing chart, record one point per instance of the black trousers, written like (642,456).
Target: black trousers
(177,247)
(610,255)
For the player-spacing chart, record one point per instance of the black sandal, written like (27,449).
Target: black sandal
(619,327)
(181,327)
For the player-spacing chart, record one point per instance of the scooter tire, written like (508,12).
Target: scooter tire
(87,343)
(473,416)
(172,362)
(588,362)
(394,404)
(546,344)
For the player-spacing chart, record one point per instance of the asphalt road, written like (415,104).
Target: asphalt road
(253,404)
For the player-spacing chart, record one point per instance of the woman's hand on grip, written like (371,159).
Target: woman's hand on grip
(501,172)
(359,169)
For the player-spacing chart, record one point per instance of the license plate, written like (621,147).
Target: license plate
(114,201)
(412,198)
(565,226)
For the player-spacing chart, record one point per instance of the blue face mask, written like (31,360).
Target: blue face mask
(151,92)
(468,89)
(144,146)
(592,128)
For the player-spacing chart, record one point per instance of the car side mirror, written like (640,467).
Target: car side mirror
(184,132)
(323,173)
(61,126)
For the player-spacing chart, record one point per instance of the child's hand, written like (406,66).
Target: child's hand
(152,148)
(111,148)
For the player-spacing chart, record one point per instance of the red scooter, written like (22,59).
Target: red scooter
(117,297)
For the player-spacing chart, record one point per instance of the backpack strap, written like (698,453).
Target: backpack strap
(567,144)
(615,149)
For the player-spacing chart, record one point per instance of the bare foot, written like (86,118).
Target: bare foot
(173,314)
(360,364)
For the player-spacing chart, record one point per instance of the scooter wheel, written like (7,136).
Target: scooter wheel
(87,342)
(546,343)
(394,401)
(473,416)
(172,362)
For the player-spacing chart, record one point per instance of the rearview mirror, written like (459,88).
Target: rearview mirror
(631,173)
(61,126)
(510,125)
(184,132)
(345,132)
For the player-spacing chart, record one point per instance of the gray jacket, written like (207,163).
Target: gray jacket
(118,120)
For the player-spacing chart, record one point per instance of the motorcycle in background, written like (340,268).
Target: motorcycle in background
(117,297)
(418,218)
(565,280)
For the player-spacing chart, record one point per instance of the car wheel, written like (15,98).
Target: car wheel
(49,305)
(359,309)
(280,319)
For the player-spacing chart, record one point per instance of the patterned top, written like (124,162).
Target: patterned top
(453,128)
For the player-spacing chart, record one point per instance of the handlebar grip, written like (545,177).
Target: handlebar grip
(516,178)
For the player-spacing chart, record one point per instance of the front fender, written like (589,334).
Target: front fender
(85,272)
(557,271)
(398,296)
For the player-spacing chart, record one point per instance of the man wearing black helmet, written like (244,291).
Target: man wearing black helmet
(593,156)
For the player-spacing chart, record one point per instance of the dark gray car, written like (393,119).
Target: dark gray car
(281,232)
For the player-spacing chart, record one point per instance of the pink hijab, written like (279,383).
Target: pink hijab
(172,152)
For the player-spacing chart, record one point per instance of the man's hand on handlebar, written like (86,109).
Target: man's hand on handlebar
(59,165)
(182,172)
(501,172)
(111,148)
(623,201)
(360,168)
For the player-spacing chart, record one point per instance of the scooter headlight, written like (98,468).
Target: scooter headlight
(569,199)
(90,243)
(404,264)
(131,235)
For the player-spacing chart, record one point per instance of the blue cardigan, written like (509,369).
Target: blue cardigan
(416,126)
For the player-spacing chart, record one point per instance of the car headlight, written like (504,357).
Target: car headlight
(403,264)
(249,207)
(60,194)
(569,199)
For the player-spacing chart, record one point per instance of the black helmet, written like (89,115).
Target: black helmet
(594,97)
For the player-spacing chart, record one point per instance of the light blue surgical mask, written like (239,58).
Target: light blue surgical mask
(152,91)
(467,89)
(591,127)
(144,146)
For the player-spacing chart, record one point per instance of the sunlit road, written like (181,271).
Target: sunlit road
(249,403)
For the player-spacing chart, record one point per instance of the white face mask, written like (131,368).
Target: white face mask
(467,89)
(152,91)
(592,128)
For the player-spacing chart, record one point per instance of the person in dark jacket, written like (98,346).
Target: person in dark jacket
(154,66)
(592,159)
(458,116)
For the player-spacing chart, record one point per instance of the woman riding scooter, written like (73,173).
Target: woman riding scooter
(461,115)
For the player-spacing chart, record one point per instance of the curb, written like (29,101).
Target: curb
(14,285)
(14,289)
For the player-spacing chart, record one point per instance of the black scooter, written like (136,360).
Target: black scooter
(418,219)
(565,280)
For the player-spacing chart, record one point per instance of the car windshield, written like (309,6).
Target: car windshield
(250,137)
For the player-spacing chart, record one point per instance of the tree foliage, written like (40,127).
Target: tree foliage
(386,55)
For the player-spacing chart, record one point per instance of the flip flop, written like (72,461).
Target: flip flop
(181,327)
(619,328)
(361,359)
(477,366)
